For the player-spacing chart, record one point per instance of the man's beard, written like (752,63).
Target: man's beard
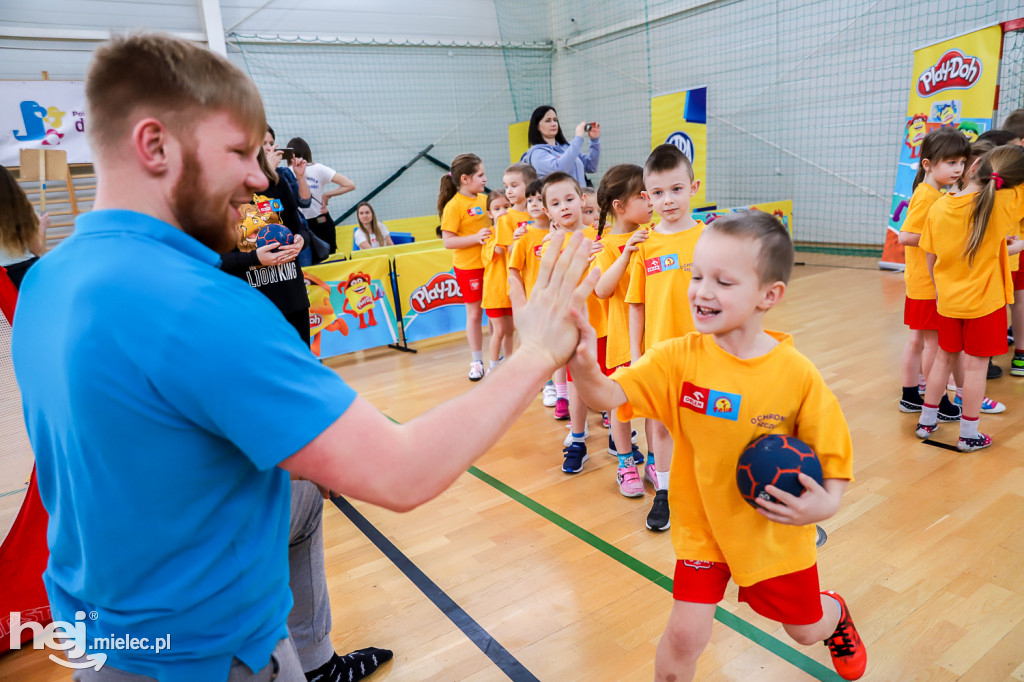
(196,211)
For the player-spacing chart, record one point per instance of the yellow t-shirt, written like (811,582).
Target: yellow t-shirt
(463,216)
(659,274)
(495,293)
(597,309)
(618,309)
(526,255)
(962,291)
(919,282)
(714,404)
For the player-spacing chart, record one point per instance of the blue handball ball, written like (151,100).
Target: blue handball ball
(775,460)
(274,232)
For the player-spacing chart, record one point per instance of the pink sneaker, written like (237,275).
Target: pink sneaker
(562,409)
(630,483)
(651,474)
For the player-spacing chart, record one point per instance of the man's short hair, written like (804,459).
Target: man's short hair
(665,158)
(172,80)
(775,254)
(1015,123)
(527,172)
(559,177)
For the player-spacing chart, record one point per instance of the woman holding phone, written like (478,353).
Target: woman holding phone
(549,152)
(318,176)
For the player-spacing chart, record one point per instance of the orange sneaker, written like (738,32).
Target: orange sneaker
(849,655)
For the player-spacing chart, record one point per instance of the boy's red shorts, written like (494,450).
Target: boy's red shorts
(1018,279)
(921,315)
(984,337)
(471,284)
(793,598)
(497,312)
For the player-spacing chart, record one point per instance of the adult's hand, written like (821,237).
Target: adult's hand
(595,130)
(274,158)
(546,325)
(581,129)
(299,167)
(275,254)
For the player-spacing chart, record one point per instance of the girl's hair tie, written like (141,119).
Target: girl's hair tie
(997,179)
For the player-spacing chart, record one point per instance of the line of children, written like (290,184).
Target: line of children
(465,227)
(969,239)
(659,277)
(740,267)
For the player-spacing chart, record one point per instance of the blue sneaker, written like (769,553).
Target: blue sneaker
(988,406)
(611,444)
(575,455)
(638,457)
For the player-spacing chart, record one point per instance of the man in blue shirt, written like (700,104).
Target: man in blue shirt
(167,401)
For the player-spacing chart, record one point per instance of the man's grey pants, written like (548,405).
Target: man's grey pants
(309,623)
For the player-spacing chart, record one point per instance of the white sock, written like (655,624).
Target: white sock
(562,390)
(968,428)
(478,356)
(662,480)
(929,415)
(494,363)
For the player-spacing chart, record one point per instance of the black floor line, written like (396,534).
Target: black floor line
(937,444)
(501,657)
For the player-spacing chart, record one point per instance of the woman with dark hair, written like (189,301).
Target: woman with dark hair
(550,153)
(22,232)
(318,176)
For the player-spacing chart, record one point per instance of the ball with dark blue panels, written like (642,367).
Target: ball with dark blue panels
(775,460)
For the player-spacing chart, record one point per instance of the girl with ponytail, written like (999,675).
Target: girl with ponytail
(970,240)
(465,227)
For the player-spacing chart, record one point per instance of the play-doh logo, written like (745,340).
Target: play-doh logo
(710,402)
(697,564)
(441,290)
(44,123)
(662,263)
(953,71)
(474,210)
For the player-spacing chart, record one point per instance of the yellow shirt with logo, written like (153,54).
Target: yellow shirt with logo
(964,291)
(714,404)
(916,276)
(597,308)
(659,276)
(618,309)
(464,216)
(495,294)
(526,253)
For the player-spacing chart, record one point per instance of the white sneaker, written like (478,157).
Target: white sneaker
(550,396)
(476,371)
(568,437)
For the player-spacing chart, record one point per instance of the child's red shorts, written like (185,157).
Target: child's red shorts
(497,312)
(602,359)
(471,284)
(793,598)
(921,315)
(983,337)
(1018,280)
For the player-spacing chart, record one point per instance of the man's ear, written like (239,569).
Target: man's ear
(771,295)
(152,142)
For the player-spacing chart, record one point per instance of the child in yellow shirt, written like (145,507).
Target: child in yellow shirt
(740,268)
(969,240)
(659,276)
(464,228)
(495,301)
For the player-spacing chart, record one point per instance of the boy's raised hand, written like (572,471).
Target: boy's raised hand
(815,504)
(545,323)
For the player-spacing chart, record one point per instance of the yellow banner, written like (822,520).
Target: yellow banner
(351,306)
(681,119)
(431,299)
(783,210)
(518,141)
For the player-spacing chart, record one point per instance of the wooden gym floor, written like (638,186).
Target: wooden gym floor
(557,578)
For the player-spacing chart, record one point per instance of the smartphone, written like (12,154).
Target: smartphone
(287,153)
(587,127)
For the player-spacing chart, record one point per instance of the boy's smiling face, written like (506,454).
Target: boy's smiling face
(725,291)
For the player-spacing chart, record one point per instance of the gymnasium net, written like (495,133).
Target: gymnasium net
(806,101)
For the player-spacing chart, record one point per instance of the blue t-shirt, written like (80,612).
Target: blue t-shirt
(160,393)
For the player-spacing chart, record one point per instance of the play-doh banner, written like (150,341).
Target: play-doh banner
(783,210)
(350,306)
(681,119)
(954,84)
(431,299)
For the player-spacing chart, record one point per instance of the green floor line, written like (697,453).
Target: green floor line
(751,632)
(13,492)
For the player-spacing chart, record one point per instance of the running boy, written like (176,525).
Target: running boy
(741,265)
(660,274)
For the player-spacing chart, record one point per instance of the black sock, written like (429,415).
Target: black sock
(946,406)
(350,667)
(911,395)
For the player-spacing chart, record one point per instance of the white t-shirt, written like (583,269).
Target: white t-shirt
(372,244)
(318,176)
(11,258)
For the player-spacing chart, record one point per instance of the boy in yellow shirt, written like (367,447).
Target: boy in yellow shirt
(717,389)
(659,276)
